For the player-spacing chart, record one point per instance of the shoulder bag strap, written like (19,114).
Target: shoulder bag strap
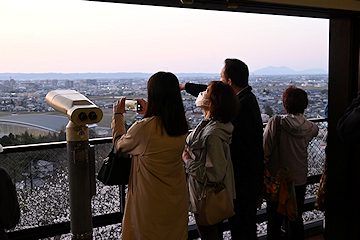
(277,138)
(203,193)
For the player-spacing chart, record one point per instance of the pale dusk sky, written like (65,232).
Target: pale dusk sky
(74,36)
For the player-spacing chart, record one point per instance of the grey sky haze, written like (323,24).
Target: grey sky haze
(74,36)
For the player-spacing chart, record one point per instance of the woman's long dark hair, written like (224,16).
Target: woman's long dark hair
(164,101)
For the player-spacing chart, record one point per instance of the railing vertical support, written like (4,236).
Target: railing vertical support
(122,198)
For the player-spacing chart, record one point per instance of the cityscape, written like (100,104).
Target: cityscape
(28,96)
(46,173)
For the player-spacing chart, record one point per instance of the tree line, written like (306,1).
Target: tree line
(26,138)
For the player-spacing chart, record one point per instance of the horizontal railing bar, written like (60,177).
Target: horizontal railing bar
(308,206)
(100,140)
(194,234)
(313,179)
(40,232)
(50,145)
(34,147)
(114,218)
(107,219)
(62,228)
(318,119)
(311,228)
(261,217)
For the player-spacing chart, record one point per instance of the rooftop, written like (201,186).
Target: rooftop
(51,122)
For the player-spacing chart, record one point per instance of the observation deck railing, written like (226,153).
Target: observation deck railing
(39,172)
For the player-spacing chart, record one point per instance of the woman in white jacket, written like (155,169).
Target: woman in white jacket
(207,154)
(285,143)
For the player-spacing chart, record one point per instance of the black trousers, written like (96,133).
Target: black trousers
(295,229)
(213,232)
(243,223)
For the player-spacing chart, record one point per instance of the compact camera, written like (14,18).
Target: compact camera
(133,105)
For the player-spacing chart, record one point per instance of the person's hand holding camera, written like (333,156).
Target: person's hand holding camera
(144,105)
(119,106)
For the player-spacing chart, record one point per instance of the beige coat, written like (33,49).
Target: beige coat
(156,204)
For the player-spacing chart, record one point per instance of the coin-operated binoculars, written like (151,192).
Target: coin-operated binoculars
(81,161)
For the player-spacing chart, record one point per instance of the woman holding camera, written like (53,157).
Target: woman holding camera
(156,199)
(207,155)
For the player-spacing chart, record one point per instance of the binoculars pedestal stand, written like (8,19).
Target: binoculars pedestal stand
(81,167)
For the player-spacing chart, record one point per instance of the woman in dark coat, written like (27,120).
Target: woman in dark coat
(9,205)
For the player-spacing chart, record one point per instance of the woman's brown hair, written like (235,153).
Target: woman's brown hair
(224,104)
(295,100)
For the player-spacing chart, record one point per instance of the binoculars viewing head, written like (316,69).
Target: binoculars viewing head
(79,109)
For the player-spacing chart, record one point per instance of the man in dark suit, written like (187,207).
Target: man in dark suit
(349,125)
(246,148)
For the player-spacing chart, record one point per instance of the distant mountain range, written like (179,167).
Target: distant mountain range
(288,71)
(73,76)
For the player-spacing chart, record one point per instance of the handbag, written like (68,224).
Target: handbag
(214,206)
(271,187)
(115,169)
(320,195)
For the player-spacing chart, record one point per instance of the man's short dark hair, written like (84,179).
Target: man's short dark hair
(237,71)
(295,100)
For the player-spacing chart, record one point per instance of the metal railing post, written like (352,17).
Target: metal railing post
(78,152)
(122,198)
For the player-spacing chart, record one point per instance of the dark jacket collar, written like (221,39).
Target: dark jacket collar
(244,92)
